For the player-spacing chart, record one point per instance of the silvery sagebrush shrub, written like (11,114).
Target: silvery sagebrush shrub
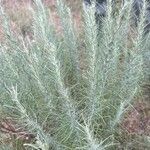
(44,89)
